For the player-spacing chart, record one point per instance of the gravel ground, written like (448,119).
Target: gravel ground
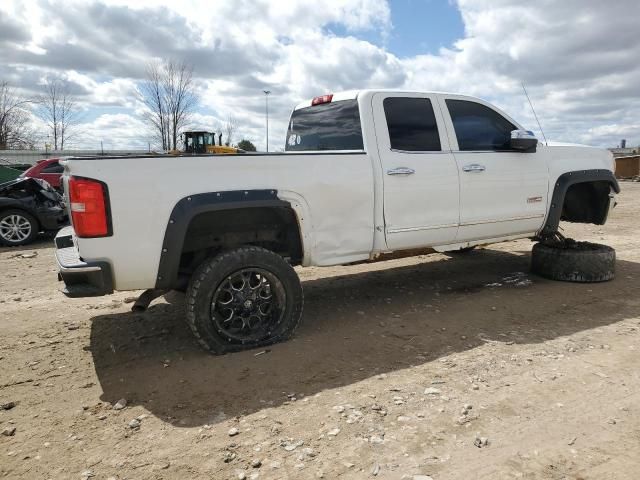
(430,367)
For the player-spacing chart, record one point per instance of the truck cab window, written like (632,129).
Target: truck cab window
(329,126)
(478,127)
(412,124)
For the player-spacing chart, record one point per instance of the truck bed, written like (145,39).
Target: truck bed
(337,187)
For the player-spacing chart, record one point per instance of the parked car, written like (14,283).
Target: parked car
(366,176)
(49,170)
(29,206)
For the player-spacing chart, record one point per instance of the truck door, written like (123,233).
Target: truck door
(502,191)
(420,176)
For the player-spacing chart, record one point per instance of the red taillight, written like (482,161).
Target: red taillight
(322,99)
(89,208)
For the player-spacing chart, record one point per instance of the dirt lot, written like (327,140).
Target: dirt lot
(397,369)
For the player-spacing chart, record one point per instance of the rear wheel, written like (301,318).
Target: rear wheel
(244,298)
(572,261)
(17,227)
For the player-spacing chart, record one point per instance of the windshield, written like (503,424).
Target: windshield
(329,126)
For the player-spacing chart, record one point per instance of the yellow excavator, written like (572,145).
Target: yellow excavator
(199,142)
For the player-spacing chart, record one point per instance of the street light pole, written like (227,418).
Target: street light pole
(266,104)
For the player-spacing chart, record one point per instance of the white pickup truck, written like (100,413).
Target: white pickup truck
(365,176)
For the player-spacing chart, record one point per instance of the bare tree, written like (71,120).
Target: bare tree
(230,128)
(181,98)
(168,93)
(58,108)
(153,98)
(15,128)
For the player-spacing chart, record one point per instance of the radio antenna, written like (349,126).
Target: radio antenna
(534,113)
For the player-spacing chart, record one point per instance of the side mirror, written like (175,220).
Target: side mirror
(523,141)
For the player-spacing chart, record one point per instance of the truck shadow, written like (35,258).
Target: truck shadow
(355,326)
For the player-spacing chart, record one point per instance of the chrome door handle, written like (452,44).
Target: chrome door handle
(401,171)
(474,167)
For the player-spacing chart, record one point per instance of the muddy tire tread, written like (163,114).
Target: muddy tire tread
(589,265)
(199,286)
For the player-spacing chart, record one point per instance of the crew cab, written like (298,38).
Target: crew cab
(365,175)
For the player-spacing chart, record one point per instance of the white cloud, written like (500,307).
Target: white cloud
(117,131)
(578,58)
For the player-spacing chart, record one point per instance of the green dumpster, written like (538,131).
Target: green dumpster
(8,173)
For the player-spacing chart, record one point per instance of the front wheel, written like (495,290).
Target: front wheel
(243,298)
(17,228)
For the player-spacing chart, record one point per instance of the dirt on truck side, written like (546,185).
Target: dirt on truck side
(431,367)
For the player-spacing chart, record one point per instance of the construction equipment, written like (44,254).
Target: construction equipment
(204,142)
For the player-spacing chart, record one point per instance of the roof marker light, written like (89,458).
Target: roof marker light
(322,99)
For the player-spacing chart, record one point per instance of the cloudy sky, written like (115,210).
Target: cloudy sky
(580,59)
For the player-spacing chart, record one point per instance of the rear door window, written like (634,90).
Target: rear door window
(412,124)
(328,126)
(479,127)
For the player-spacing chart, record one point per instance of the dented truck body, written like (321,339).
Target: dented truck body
(365,174)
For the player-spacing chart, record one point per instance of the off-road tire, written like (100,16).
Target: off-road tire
(210,275)
(572,261)
(33,233)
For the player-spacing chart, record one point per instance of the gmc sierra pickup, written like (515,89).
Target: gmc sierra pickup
(365,176)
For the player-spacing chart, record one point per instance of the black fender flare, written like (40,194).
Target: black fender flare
(188,208)
(563,183)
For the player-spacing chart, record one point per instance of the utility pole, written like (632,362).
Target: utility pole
(266,103)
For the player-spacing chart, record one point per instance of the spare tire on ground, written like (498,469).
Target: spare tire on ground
(572,261)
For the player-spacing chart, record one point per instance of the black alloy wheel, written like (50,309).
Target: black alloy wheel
(248,305)
(243,298)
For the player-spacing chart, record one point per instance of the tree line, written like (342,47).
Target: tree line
(168,94)
(55,106)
